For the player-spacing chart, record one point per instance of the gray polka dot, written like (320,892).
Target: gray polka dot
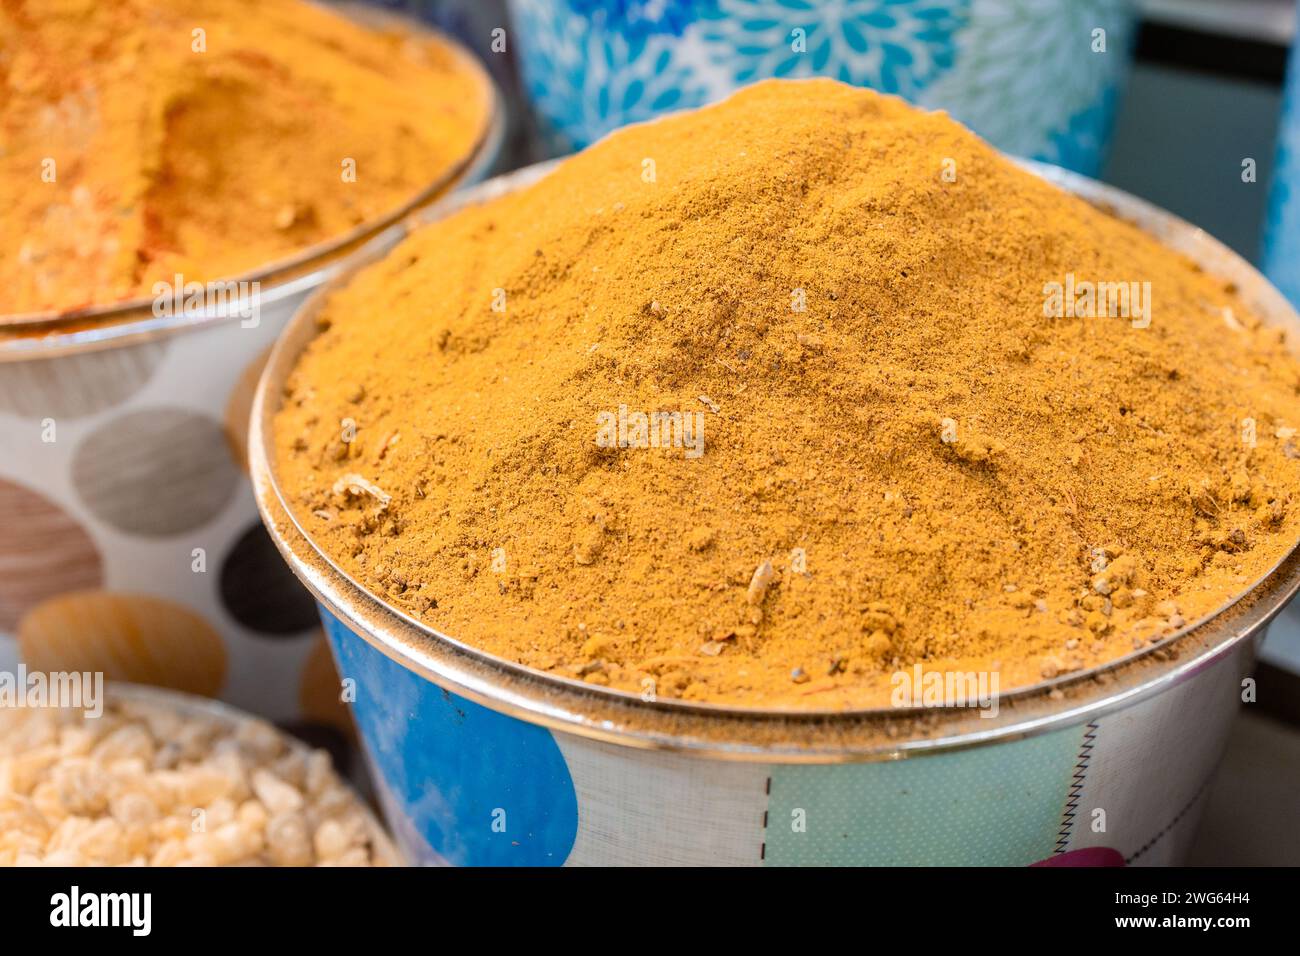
(70,386)
(155,472)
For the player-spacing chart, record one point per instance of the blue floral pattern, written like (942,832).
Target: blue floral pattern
(896,46)
(586,81)
(1281,259)
(639,17)
(1040,78)
(1081,143)
(1022,73)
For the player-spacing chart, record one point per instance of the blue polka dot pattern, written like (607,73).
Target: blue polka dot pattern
(464,785)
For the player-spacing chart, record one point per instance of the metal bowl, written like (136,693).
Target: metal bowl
(730,732)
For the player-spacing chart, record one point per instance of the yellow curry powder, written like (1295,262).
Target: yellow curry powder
(904,460)
(140,139)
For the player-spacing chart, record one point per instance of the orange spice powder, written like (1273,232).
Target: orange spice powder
(905,454)
(140,140)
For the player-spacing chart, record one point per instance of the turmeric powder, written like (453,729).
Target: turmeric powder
(140,140)
(908,456)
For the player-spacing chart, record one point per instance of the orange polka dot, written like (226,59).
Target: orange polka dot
(318,694)
(132,637)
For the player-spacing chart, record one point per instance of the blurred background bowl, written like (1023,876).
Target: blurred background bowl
(132,545)
(1037,78)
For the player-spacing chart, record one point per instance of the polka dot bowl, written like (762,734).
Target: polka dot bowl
(478,760)
(132,543)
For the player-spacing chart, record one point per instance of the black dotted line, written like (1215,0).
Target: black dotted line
(762,847)
(1076,788)
(1172,823)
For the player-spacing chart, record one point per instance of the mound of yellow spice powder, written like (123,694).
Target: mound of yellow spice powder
(142,139)
(903,460)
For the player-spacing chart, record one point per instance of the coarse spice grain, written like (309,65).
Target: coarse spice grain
(905,460)
(142,139)
(145,784)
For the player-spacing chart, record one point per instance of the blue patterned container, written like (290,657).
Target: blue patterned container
(1281,263)
(1023,74)
(479,761)
(464,784)
(1281,260)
